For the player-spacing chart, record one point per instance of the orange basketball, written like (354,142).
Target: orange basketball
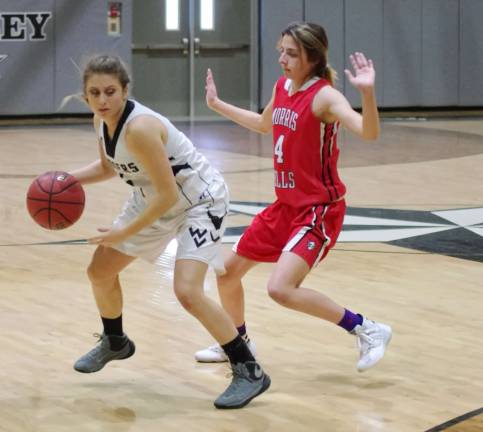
(55,200)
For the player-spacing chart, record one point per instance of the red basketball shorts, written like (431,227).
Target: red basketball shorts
(309,232)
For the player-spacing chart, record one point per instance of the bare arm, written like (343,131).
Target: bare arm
(98,170)
(261,123)
(144,139)
(332,104)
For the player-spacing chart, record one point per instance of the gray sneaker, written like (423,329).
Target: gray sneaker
(248,382)
(101,354)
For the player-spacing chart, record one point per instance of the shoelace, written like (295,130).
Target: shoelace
(235,383)
(93,352)
(238,371)
(370,342)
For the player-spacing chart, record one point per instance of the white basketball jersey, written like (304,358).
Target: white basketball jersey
(193,173)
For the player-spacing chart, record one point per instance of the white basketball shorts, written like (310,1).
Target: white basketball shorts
(198,230)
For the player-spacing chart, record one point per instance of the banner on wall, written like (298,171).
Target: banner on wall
(21,26)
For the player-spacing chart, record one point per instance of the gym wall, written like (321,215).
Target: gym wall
(42,44)
(427,53)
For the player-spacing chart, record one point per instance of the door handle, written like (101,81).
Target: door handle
(197,45)
(186,45)
(160,48)
(224,46)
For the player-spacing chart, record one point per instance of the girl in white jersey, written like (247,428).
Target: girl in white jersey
(175,193)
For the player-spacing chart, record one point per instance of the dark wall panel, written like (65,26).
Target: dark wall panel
(81,31)
(471,53)
(330,15)
(275,15)
(439,77)
(364,33)
(402,53)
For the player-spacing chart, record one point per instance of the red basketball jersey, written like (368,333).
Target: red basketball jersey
(305,149)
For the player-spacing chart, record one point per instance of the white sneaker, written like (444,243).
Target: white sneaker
(372,340)
(215,353)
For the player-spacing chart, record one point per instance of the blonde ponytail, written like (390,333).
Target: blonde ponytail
(330,74)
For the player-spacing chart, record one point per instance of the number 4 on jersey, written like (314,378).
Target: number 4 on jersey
(278,150)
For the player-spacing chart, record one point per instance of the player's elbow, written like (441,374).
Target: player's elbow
(264,127)
(371,134)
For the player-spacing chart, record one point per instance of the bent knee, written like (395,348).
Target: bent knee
(190,303)
(97,273)
(231,278)
(280,293)
(189,299)
(235,268)
(227,279)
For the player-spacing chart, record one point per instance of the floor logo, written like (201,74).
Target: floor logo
(455,232)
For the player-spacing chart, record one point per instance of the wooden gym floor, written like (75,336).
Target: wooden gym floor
(410,255)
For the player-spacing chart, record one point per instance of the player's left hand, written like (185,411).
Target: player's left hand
(109,237)
(364,75)
(211,92)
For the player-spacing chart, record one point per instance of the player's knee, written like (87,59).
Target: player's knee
(226,280)
(279,293)
(235,268)
(98,274)
(231,278)
(187,298)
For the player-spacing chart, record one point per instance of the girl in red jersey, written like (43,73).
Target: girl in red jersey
(297,231)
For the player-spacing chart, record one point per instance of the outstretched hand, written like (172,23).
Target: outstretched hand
(364,73)
(211,93)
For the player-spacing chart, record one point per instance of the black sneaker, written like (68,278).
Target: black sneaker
(248,382)
(101,354)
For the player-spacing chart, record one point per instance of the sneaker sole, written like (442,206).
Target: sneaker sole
(132,350)
(265,385)
(211,361)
